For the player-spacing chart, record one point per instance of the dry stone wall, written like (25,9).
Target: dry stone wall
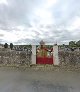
(14,57)
(22,57)
(69,57)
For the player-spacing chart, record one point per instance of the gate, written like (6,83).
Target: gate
(44,54)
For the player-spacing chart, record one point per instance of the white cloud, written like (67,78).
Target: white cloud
(8,36)
(4,2)
(20,27)
(44,16)
(75,24)
(50,3)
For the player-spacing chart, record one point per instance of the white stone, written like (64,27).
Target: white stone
(33,54)
(55,55)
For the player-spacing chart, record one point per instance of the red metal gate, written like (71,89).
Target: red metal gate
(44,56)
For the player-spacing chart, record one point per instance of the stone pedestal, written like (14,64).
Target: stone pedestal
(33,54)
(55,55)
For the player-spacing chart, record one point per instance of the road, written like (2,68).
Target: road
(12,80)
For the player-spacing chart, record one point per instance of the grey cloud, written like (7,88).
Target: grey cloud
(2,41)
(1,35)
(28,41)
(18,12)
(21,13)
(65,11)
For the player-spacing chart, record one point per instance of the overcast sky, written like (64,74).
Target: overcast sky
(29,21)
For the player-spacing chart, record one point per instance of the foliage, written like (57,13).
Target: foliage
(78,43)
(5,45)
(11,46)
(72,44)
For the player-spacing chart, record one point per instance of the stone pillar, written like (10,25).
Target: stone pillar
(55,55)
(33,54)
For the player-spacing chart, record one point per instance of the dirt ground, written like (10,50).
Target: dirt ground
(35,80)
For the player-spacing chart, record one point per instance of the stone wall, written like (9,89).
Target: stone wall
(69,57)
(22,57)
(14,57)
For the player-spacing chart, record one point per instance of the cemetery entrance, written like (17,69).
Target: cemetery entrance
(44,54)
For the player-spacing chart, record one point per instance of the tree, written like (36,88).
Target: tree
(72,44)
(78,43)
(11,46)
(5,45)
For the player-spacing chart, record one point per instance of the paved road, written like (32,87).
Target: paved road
(39,81)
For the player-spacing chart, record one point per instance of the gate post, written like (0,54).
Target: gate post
(55,55)
(33,54)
